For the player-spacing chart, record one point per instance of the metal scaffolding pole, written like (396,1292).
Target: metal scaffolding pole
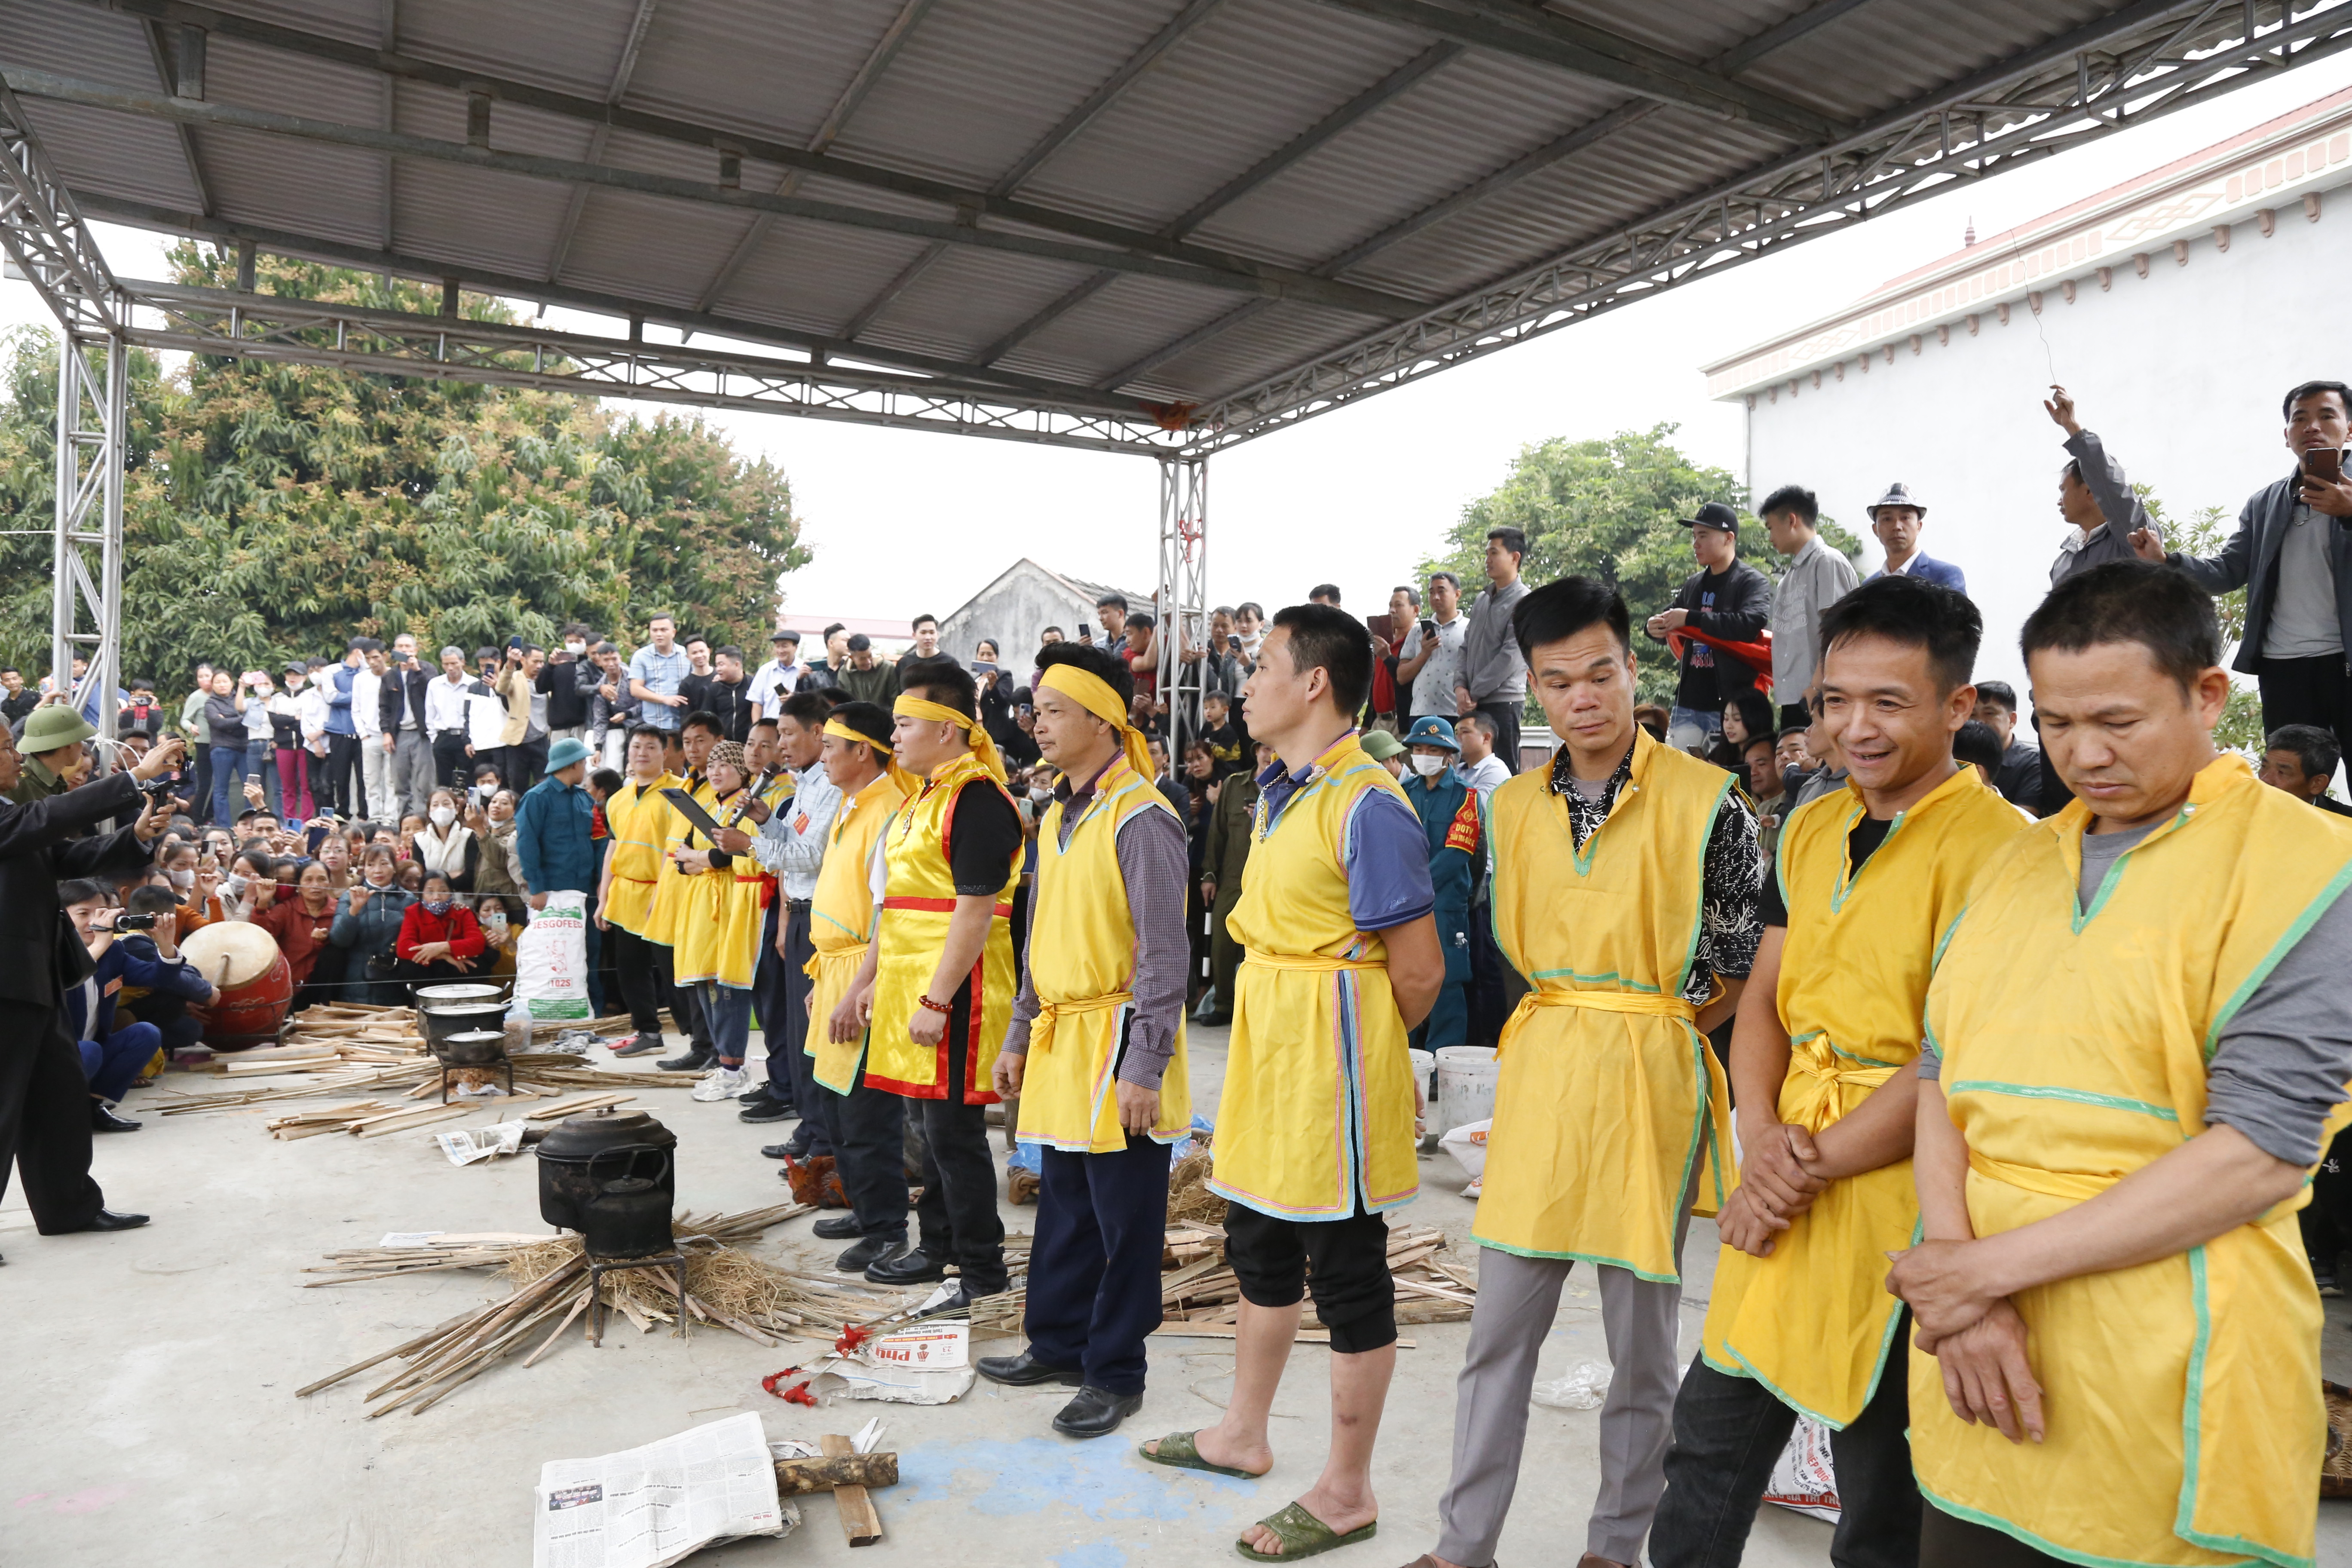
(45,236)
(1182,594)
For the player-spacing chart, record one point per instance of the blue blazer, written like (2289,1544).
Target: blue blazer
(1928,569)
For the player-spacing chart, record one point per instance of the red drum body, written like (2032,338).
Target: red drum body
(256,985)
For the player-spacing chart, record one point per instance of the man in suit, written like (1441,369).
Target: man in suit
(1898,519)
(400,707)
(44,1123)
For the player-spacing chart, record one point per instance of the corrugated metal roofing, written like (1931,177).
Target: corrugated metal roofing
(1185,97)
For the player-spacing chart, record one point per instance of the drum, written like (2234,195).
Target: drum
(255,981)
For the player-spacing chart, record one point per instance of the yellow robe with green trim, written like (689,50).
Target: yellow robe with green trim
(1607,1091)
(1316,1116)
(1081,962)
(917,902)
(2181,1397)
(636,817)
(720,914)
(840,923)
(670,885)
(1813,1321)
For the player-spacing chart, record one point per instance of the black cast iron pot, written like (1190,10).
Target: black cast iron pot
(567,1183)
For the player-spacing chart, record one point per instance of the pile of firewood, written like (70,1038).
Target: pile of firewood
(726,1288)
(537,1075)
(374,1118)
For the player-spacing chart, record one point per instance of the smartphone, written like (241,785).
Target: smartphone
(2325,464)
(1086,633)
(514,644)
(1235,642)
(313,837)
(984,670)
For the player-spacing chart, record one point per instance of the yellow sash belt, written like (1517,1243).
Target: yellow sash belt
(2051,1183)
(1308,961)
(1041,1030)
(1649,1003)
(857,953)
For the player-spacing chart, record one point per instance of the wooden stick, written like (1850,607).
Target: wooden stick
(422,1340)
(799,1478)
(577,1308)
(859,1522)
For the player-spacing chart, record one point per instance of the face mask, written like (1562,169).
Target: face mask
(438,906)
(1041,796)
(442,817)
(233,885)
(184,879)
(377,880)
(1428,767)
(575,647)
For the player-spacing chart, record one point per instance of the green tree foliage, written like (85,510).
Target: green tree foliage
(1612,510)
(2204,532)
(276,509)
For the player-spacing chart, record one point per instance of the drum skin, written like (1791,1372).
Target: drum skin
(256,986)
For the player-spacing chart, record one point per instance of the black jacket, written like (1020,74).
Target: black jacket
(2249,561)
(404,684)
(730,704)
(1743,607)
(38,851)
(568,683)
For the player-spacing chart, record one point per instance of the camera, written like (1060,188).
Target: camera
(133,923)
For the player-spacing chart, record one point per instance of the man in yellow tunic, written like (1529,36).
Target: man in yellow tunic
(697,735)
(936,987)
(2138,1037)
(637,815)
(1315,1128)
(1625,878)
(1869,879)
(1096,1055)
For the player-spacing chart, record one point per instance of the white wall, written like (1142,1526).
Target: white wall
(2179,374)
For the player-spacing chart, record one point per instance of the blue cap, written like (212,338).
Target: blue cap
(1431,730)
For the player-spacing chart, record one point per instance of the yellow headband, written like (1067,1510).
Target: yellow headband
(908,785)
(982,746)
(1094,694)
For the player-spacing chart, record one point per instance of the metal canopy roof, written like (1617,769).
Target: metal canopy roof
(1152,226)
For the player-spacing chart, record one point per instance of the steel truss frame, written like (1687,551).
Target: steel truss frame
(45,238)
(1183,602)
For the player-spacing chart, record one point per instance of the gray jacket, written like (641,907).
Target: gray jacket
(2249,561)
(1492,666)
(2111,541)
(1818,577)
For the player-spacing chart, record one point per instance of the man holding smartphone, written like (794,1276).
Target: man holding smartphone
(2292,553)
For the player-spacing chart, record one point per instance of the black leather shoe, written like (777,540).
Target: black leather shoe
(106,1219)
(1096,1413)
(779,1151)
(693,1061)
(639,1045)
(102,1120)
(869,1251)
(914,1266)
(840,1227)
(1021,1370)
(764,1109)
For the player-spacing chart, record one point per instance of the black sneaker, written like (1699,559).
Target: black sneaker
(639,1045)
(764,1109)
(695,1060)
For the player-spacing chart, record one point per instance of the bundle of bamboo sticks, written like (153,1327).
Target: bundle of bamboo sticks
(726,1288)
(536,1073)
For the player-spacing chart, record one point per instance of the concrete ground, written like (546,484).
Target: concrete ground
(149,1397)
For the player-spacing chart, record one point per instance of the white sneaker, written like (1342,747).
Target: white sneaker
(724,1084)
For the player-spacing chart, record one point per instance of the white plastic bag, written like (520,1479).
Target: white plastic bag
(1584,1388)
(1467,1145)
(551,962)
(1805,1480)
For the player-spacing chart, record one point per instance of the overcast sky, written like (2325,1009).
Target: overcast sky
(905,521)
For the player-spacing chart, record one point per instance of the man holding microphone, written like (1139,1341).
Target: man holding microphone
(44,1102)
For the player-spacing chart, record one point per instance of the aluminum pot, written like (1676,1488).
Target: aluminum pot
(567,1183)
(475,1049)
(446,1019)
(460,991)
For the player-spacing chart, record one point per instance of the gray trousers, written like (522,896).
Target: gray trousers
(375,782)
(412,775)
(1517,1300)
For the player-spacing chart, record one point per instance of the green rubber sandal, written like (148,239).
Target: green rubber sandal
(1178,1451)
(1303,1536)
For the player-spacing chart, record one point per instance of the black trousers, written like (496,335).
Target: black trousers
(1093,1267)
(1490,1007)
(451,766)
(343,792)
(869,1146)
(1345,1262)
(638,964)
(957,1221)
(2307,691)
(1505,715)
(1946,1542)
(769,1001)
(522,764)
(45,1117)
(201,806)
(1728,1433)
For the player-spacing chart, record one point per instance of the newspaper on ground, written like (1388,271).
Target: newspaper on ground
(468,1144)
(649,1507)
(930,1363)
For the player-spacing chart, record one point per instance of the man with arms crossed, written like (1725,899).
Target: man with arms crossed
(1315,1129)
(2137,1040)
(1868,881)
(1624,890)
(1097,1050)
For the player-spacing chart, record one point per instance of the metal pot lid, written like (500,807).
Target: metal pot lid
(465,1009)
(469,990)
(592,1131)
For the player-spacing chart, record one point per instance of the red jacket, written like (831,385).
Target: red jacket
(457,928)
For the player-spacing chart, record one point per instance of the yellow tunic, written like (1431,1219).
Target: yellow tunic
(719,915)
(636,816)
(1316,1117)
(1081,962)
(916,903)
(2182,1397)
(1607,1089)
(840,923)
(1813,1322)
(669,884)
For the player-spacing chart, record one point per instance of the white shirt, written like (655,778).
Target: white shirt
(311,707)
(486,721)
(444,704)
(1433,688)
(367,699)
(1484,774)
(772,683)
(791,843)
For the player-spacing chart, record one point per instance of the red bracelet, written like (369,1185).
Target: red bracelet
(922,999)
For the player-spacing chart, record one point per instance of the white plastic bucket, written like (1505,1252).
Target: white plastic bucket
(1465,1086)
(1424,1073)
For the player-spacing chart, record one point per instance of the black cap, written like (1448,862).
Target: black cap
(1715,515)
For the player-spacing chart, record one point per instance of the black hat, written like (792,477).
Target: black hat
(1715,515)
